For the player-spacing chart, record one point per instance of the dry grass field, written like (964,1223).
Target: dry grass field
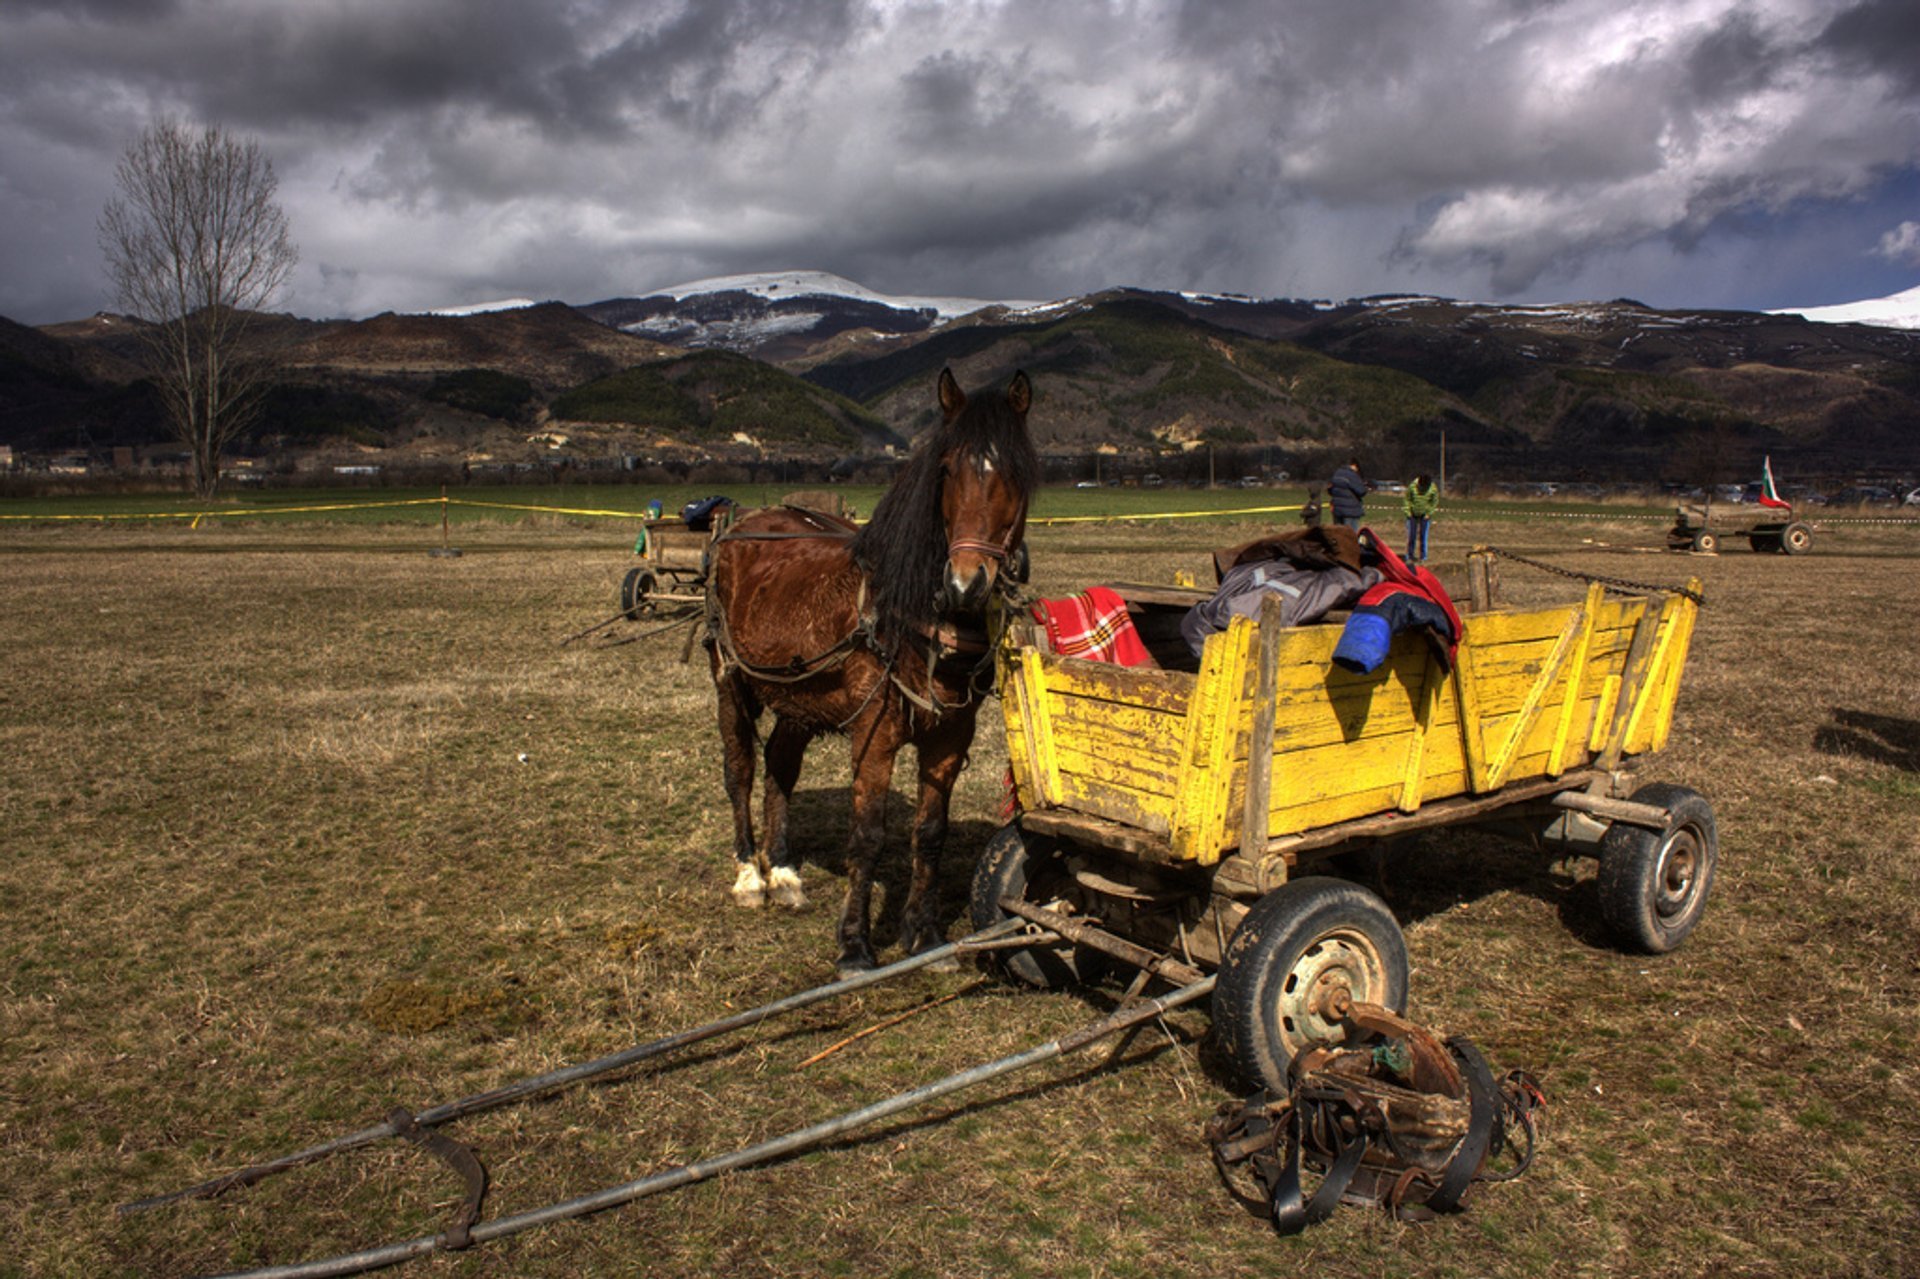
(301,823)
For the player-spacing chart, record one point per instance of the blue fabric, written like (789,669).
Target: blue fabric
(1364,642)
(699,514)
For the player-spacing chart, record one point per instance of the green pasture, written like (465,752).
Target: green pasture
(587,502)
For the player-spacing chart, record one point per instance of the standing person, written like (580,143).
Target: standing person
(1421,501)
(1347,491)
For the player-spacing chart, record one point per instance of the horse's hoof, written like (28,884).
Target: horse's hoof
(784,883)
(932,941)
(855,962)
(749,890)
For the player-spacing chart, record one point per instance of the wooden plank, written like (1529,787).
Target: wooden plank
(1259,788)
(1204,784)
(1564,731)
(1157,593)
(1466,696)
(1111,800)
(1442,813)
(1631,679)
(1424,700)
(1655,681)
(1160,690)
(1094,832)
(1535,699)
(1689,612)
(1046,774)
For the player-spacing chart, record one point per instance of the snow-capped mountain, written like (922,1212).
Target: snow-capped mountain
(784,286)
(1901,311)
(779,312)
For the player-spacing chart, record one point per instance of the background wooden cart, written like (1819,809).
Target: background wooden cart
(1200,812)
(1697,528)
(673,566)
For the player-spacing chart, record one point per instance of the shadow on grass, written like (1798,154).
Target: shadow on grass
(1883,739)
(1430,875)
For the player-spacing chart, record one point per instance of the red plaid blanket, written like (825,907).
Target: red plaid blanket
(1093,625)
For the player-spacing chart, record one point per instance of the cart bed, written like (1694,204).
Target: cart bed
(1163,761)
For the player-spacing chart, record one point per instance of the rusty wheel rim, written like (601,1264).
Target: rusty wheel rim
(1309,999)
(1678,874)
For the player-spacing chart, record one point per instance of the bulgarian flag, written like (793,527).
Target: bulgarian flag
(1769,495)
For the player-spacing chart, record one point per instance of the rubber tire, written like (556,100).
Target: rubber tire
(1796,539)
(1016,864)
(634,589)
(1706,542)
(1307,929)
(1654,884)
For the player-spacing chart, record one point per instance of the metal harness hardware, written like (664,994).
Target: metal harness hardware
(1401,1121)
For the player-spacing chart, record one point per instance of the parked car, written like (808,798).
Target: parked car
(1864,495)
(1911,499)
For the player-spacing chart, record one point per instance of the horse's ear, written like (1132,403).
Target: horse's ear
(952,398)
(1020,393)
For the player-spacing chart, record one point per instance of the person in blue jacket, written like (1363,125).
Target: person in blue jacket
(1347,491)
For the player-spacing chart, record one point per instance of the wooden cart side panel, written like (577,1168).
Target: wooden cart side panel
(1683,644)
(1100,739)
(1652,719)
(1218,716)
(1029,732)
(1167,754)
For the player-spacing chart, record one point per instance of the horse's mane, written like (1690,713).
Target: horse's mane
(903,548)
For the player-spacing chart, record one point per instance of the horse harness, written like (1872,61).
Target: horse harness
(1401,1120)
(951,647)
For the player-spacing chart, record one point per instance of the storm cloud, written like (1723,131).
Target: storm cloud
(442,152)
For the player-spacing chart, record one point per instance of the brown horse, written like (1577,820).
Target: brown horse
(875,632)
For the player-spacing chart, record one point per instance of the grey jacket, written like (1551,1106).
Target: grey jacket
(1306,594)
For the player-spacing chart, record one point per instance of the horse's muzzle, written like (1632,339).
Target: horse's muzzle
(963,594)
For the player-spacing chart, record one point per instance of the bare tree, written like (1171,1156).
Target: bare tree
(196,244)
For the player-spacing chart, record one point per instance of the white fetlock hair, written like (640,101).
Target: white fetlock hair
(785,885)
(749,889)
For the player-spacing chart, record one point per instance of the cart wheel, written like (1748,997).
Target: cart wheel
(634,589)
(1298,945)
(1654,884)
(1029,868)
(1706,542)
(1796,539)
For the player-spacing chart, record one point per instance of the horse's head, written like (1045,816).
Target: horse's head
(986,476)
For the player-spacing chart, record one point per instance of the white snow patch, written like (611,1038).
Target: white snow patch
(482,308)
(1901,311)
(779,285)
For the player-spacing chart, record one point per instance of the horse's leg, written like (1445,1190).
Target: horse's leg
(786,748)
(738,710)
(876,740)
(943,753)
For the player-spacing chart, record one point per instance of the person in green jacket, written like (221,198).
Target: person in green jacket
(1421,501)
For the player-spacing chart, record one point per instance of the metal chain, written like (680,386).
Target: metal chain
(1620,584)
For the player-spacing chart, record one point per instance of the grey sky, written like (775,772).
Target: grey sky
(1750,153)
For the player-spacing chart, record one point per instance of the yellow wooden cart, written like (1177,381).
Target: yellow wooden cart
(1196,812)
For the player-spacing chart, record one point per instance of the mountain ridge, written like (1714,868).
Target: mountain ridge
(1599,388)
